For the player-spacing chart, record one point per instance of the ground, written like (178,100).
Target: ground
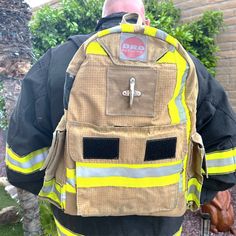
(11,229)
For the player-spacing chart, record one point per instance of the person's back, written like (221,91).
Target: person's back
(33,123)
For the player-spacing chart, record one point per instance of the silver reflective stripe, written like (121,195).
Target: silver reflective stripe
(115,29)
(50,189)
(178,100)
(181,183)
(71,182)
(26,165)
(221,162)
(194,190)
(161,35)
(87,172)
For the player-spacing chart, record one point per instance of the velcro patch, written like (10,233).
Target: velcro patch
(133,47)
(101,148)
(159,149)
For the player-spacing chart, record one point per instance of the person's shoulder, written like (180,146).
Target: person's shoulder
(73,42)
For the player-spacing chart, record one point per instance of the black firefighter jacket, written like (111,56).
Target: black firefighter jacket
(40,107)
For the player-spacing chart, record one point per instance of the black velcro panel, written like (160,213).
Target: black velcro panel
(101,148)
(159,149)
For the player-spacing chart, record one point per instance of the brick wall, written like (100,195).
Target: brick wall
(226,69)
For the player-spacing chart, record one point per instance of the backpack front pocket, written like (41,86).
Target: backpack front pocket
(126,170)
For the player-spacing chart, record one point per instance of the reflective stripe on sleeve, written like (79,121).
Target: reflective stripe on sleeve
(179,232)
(62,231)
(221,162)
(26,164)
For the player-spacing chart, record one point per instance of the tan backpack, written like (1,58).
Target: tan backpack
(127,143)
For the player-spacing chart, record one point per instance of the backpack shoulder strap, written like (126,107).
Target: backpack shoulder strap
(78,40)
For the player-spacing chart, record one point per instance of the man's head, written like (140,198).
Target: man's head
(129,6)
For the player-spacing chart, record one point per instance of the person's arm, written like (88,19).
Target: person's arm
(30,130)
(216,123)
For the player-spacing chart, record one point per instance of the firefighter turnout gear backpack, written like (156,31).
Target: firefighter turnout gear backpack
(127,142)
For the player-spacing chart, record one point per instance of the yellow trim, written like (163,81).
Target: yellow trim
(127,182)
(25,158)
(52,195)
(168,58)
(221,154)
(187,115)
(127,28)
(95,48)
(193,198)
(221,169)
(64,230)
(103,33)
(179,232)
(184,173)
(70,173)
(70,189)
(134,166)
(171,40)
(151,31)
(30,170)
(194,181)
(176,58)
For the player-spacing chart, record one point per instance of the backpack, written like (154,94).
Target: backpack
(127,142)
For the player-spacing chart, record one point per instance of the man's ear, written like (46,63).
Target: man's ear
(147,22)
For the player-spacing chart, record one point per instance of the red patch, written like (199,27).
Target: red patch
(133,47)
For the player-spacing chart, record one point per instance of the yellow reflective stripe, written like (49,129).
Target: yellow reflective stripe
(221,154)
(54,192)
(71,179)
(187,113)
(25,158)
(194,181)
(221,162)
(70,173)
(175,58)
(110,165)
(184,173)
(127,182)
(194,191)
(179,232)
(169,57)
(151,31)
(103,33)
(171,40)
(70,189)
(64,231)
(221,169)
(95,48)
(30,170)
(127,28)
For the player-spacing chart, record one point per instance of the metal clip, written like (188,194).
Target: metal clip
(131,93)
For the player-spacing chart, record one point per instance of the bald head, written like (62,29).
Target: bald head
(129,6)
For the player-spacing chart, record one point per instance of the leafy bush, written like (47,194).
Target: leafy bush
(52,26)
(47,219)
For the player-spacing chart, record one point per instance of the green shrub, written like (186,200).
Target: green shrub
(52,26)
(47,219)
